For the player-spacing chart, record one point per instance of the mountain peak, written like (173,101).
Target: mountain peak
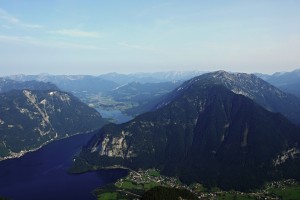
(224,75)
(248,85)
(220,73)
(206,133)
(226,78)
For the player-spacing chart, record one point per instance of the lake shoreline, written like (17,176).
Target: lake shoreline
(24,152)
(45,172)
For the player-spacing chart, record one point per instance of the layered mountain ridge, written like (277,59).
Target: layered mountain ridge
(286,81)
(204,131)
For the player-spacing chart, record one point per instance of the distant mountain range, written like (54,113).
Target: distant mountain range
(77,84)
(212,129)
(35,113)
(287,81)
(8,85)
(155,77)
(136,93)
(112,78)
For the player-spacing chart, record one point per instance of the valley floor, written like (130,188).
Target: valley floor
(136,184)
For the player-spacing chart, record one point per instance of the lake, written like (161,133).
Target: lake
(114,114)
(43,174)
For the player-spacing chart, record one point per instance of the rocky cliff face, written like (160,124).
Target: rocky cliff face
(204,133)
(31,118)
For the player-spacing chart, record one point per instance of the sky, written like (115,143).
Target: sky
(127,36)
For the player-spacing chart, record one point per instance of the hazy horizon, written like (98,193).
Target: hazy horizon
(139,72)
(98,37)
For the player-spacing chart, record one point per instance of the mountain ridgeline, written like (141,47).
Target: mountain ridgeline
(32,117)
(8,85)
(248,85)
(208,130)
(286,81)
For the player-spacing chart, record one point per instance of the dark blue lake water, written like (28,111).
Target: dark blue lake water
(43,174)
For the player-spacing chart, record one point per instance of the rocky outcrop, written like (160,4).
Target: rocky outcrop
(31,118)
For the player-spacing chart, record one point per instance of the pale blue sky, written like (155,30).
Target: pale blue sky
(95,36)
